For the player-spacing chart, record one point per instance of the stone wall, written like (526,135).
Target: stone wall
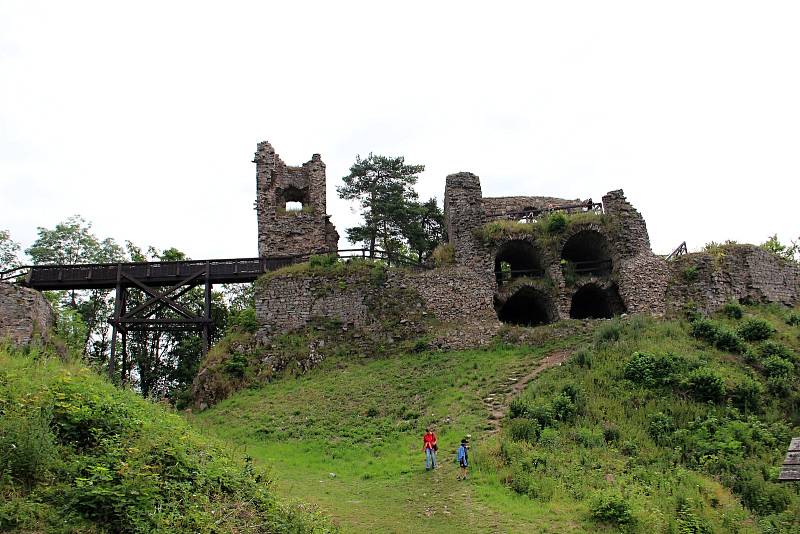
(361,300)
(24,314)
(289,233)
(736,272)
(501,205)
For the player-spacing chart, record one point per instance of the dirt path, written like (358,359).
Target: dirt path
(498,402)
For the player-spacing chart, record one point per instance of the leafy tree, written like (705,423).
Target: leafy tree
(383,186)
(423,228)
(71,242)
(790,252)
(8,251)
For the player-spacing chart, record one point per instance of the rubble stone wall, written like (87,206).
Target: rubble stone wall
(290,233)
(24,314)
(740,272)
(450,294)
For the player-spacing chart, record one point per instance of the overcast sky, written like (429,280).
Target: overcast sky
(143,117)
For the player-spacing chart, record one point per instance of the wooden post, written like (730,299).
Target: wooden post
(115,324)
(207,311)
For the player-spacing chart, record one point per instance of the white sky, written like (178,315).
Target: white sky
(143,117)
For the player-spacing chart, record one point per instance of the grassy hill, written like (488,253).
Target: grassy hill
(80,455)
(649,426)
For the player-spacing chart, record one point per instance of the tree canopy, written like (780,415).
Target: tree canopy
(393,219)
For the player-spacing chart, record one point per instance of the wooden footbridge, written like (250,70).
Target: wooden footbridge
(164,283)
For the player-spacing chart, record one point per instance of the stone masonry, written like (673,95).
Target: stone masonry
(287,232)
(542,283)
(745,273)
(24,315)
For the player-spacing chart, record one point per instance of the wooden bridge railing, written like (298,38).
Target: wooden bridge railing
(536,213)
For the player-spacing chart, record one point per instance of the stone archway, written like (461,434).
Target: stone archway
(592,301)
(517,258)
(588,252)
(527,306)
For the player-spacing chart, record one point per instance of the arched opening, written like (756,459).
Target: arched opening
(526,307)
(594,302)
(293,198)
(517,258)
(587,253)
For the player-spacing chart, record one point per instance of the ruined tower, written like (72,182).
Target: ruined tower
(290,202)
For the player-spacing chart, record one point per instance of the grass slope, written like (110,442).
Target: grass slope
(581,450)
(80,455)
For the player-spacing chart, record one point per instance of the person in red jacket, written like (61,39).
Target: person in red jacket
(430,447)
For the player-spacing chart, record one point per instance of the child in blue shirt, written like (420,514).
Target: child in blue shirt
(462,460)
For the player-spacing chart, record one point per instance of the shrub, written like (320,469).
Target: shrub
(588,437)
(779,386)
(523,430)
(691,311)
(611,507)
(660,427)
(689,523)
(706,385)
(27,446)
(583,357)
(747,395)
(729,340)
(629,448)
(323,260)
(773,348)
(733,310)
(777,367)
(705,330)
(542,414)
(793,319)
(518,407)
(608,332)
(556,223)
(244,321)
(611,434)
(443,254)
(549,437)
(650,370)
(236,365)
(690,274)
(755,329)
(564,408)
(762,497)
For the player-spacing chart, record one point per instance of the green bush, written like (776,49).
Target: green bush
(522,429)
(443,254)
(773,348)
(747,395)
(690,274)
(689,523)
(244,321)
(583,357)
(660,427)
(608,332)
(728,340)
(564,407)
(733,310)
(777,367)
(322,261)
(28,448)
(650,370)
(755,329)
(793,319)
(611,507)
(611,434)
(542,414)
(518,407)
(706,385)
(705,329)
(762,497)
(236,365)
(556,223)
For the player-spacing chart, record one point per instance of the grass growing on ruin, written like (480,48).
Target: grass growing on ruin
(598,444)
(546,230)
